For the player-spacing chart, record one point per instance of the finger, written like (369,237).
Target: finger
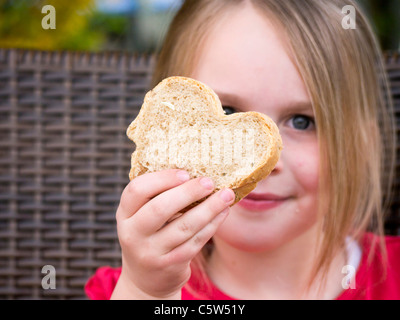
(182,229)
(143,188)
(157,212)
(189,249)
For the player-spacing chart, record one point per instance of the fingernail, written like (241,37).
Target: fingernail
(227,195)
(183,175)
(207,183)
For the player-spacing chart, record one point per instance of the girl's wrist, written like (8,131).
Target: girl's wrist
(126,290)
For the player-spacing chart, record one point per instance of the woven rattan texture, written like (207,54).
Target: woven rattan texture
(64,161)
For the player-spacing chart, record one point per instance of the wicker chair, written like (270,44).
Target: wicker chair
(64,161)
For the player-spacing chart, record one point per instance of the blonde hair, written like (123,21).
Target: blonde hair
(344,74)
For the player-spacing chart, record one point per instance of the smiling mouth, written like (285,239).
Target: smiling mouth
(264,196)
(261,201)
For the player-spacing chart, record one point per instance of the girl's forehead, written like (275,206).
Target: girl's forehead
(245,56)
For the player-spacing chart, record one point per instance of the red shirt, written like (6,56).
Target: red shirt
(371,283)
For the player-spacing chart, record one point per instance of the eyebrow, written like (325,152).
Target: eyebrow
(232,99)
(300,106)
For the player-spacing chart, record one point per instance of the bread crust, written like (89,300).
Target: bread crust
(243,186)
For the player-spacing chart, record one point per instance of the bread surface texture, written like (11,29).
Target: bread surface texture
(182,125)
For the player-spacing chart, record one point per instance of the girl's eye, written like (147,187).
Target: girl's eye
(228,110)
(300,122)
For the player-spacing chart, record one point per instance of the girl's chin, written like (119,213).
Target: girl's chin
(252,244)
(251,234)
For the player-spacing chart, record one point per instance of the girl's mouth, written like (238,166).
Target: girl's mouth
(261,201)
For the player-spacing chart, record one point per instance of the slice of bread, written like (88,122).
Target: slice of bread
(182,125)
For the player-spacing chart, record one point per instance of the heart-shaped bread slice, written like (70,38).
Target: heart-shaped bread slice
(182,125)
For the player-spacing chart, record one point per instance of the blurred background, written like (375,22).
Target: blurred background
(64,154)
(130,25)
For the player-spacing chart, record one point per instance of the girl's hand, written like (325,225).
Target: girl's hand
(156,255)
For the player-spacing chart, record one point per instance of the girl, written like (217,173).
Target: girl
(302,233)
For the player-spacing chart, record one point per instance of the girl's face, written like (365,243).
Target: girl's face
(245,62)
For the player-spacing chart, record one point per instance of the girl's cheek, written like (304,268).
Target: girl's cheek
(305,163)
(307,172)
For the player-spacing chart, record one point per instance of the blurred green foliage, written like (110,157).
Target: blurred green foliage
(385,17)
(80,26)
(21,25)
(113,28)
